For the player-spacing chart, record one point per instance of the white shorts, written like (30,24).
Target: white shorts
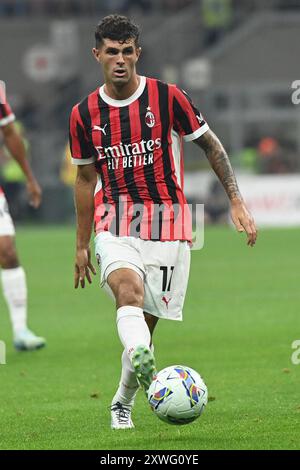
(6,224)
(163,267)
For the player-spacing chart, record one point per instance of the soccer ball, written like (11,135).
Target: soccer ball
(177,395)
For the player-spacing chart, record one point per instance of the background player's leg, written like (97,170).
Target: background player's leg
(13,283)
(15,293)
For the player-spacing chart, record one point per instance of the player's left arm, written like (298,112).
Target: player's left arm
(219,161)
(14,143)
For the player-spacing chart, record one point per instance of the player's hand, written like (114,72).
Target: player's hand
(243,221)
(34,193)
(83,267)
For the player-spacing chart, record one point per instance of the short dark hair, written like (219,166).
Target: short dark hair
(117,28)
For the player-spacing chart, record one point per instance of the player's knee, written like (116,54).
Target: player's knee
(8,255)
(130,293)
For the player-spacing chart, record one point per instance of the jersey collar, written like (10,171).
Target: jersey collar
(128,101)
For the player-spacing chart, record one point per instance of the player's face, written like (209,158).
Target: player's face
(118,60)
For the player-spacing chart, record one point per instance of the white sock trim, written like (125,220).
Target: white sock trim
(127,311)
(12,273)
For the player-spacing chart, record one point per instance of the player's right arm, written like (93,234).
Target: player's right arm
(82,156)
(84,203)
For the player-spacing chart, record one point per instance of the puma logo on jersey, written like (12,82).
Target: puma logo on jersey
(166,301)
(98,128)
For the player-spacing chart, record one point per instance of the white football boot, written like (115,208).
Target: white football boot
(26,340)
(121,416)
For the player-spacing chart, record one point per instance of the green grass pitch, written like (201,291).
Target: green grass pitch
(240,319)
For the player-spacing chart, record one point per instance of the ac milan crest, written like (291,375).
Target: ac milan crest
(150,118)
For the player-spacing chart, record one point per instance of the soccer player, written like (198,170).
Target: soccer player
(12,274)
(126,138)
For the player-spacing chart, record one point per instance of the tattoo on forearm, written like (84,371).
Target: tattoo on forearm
(220,162)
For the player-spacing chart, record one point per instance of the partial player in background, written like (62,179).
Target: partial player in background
(129,131)
(12,274)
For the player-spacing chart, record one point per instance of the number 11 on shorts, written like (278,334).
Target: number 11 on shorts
(167,277)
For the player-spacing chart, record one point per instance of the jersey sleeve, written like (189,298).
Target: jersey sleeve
(188,121)
(6,115)
(82,151)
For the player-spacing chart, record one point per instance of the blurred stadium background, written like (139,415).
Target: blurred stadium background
(237,59)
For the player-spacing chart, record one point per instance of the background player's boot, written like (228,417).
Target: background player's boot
(144,365)
(26,340)
(121,416)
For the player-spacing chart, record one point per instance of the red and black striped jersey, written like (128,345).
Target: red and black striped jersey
(136,147)
(6,117)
